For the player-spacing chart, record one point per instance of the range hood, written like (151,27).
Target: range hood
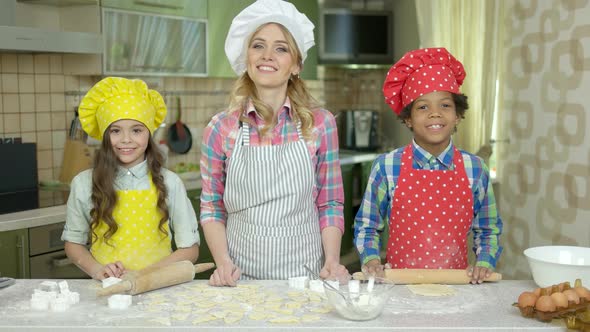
(50,26)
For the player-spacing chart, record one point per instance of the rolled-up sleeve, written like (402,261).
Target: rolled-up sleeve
(78,209)
(330,193)
(213,173)
(183,219)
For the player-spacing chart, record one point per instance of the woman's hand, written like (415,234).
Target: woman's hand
(374,268)
(226,274)
(335,271)
(115,270)
(478,274)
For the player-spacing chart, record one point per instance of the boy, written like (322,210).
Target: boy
(431,193)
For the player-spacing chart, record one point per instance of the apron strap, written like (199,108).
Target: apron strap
(245,139)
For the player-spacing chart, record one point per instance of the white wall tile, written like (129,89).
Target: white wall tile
(10,103)
(44,140)
(9,83)
(41,63)
(42,83)
(42,102)
(9,63)
(27,122)
(43,121)
(58,139)
(58,102)
(56,83)
(55,65)
(44,159)
(26,83)
(25,63)
(58,120)
(11,123)
(27,102)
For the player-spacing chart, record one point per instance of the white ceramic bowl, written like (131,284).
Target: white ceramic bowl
(366,301)
(551,265)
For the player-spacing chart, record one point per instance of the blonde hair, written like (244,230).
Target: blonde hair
(302,102)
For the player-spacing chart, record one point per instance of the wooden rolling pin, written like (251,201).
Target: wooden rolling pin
(156,278)
(428,276)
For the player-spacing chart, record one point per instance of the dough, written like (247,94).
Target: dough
(432,290)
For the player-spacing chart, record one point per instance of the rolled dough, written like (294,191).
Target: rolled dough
(432,290)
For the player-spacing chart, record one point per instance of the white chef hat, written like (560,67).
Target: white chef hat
(259,13)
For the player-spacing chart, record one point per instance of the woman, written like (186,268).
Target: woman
(272,196)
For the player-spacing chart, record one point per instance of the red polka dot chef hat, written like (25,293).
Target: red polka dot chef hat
(420,72)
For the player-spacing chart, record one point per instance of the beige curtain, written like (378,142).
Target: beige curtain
(472,31)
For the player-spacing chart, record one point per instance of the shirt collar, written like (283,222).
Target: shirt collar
(285,109)
(423,157)
(140,170)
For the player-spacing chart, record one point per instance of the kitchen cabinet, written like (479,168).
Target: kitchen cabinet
(146,44)
(184,8)
(14,246)
(221,14)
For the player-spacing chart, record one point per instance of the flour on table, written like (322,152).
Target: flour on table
(432,290)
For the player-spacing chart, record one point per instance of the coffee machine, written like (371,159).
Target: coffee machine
(360,130)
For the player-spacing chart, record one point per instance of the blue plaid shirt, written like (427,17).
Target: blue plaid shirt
(375,208)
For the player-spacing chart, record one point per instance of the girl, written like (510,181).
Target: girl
(127,206)
(272,197)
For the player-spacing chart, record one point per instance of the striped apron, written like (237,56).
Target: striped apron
(273,224)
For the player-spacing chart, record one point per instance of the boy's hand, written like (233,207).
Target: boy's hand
(478,274)
(374,268)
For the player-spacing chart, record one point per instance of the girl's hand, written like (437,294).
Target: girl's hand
(374,268)
(226,274)
(335,271)
(115,269)
(478,274)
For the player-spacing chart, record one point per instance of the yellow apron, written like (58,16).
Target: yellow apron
(138,242)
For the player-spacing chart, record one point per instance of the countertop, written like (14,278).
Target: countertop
(348,157)
(32,218)
(196,305)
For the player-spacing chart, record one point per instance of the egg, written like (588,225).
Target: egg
(583,292)
(560,300)
(572,296)
(545,304)
(527,299)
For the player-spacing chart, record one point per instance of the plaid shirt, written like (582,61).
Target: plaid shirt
(375,208)
(219,138)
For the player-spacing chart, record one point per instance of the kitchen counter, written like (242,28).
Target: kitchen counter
(32,218)
(348,157)
(197,305)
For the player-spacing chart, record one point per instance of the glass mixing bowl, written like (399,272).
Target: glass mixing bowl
(360,299)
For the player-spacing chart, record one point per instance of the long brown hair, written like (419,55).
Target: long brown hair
(104,196)
(302,102)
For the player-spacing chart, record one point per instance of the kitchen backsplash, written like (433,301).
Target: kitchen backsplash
(37,102)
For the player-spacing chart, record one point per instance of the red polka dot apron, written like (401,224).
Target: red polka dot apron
(431,214)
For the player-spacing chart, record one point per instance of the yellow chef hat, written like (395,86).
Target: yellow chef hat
(117,98)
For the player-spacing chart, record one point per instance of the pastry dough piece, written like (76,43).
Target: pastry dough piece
(432,289)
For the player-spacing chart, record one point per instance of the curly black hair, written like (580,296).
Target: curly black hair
(461,107)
